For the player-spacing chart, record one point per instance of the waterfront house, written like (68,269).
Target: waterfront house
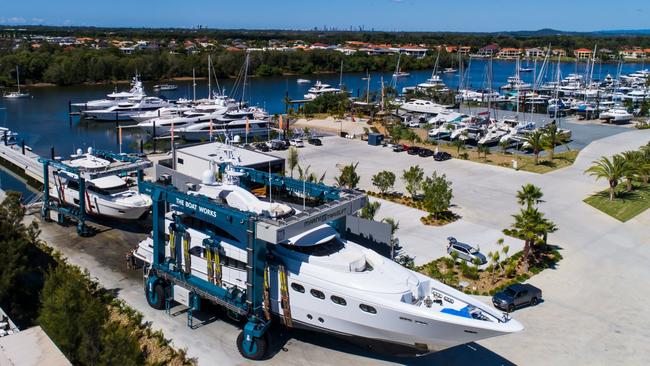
(509,53)
(534,52)
(583,53)
(558,52)
(632,53)
(490,50)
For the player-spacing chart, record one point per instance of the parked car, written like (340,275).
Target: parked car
(413,150)
(296,143)
(425,153)
(465,251)
(262,147)
(517,295)
(277,145)
(441,156)
(315,141)
(398,148)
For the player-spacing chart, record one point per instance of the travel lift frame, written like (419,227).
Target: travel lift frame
(77,213)
(167,279)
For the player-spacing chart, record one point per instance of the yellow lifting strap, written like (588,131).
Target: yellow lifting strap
(208,261)
(216,265)
(267,294)
(172,245)
(186,252)
(284,298)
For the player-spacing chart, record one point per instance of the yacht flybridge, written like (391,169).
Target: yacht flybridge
(319,89)
(317,279)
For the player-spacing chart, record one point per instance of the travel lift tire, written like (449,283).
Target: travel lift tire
(257,349)
(156,298)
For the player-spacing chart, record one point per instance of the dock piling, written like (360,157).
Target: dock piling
(52,152)
(141,146)
(22,145)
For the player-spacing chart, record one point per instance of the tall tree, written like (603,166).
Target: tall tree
(529,195)
(437,194)
(370,210)
(551,139)
(348,177)
(612,170)
(292,159)
(413,178)
(536,143)
(71,315)
(384,181)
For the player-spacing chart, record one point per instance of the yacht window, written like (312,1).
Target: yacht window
(320,250)
(180,161)
(318,294)
(338,300)
(368,309)
(108,191)
(73,184)
(298,288)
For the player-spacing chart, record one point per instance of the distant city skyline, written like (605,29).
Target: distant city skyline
(385,15)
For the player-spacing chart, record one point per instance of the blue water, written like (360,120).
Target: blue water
(43,121)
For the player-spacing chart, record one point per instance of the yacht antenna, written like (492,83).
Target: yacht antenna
(341,75)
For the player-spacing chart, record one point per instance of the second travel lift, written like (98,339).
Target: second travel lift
(167,275)
(127,164)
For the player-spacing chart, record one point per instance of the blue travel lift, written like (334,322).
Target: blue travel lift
(128,164)
(168,278)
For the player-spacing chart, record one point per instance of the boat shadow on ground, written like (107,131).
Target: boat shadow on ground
(467,354)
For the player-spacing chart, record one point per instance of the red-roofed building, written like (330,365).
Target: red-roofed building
(583,53)
(509,53)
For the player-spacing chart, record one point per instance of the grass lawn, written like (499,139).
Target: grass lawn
(626,205)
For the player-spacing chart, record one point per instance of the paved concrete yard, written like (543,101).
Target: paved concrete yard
(595,302)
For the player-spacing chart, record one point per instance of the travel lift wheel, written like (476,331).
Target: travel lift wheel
(156,295)
(254,348)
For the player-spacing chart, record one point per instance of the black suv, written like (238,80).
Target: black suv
(517,295)
(425,153)
(441,156)
(315,141)
(413,150)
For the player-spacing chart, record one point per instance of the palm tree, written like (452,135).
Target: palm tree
(394,226)
(504,146)
(612,170)
(529,195)
(531,226)
(459,145)
(292,159)
(535,142)
(482,149)
(349,177)
(633,160)
(551,139)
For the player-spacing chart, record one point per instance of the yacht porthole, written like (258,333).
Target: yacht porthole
(321,320)
(310,317)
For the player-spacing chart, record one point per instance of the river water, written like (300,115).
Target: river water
(43,120)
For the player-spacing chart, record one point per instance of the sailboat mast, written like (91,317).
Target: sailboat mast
(368,88)
(243,91)
(209,78)
(193,84)
(341,75)
(18,79)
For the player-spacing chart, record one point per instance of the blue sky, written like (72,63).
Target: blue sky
(407,15)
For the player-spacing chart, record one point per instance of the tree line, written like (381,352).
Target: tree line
(61,66)
(91,327)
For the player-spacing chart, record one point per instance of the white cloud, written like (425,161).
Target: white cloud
(16,20)
(37,20)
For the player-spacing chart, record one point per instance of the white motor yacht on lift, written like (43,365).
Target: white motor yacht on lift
(336,285)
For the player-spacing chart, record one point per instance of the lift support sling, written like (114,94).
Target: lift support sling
(165,274)
(127,164)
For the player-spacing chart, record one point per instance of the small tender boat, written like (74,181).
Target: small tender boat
(165,87)
(303,81)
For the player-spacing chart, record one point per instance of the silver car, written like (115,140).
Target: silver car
(465,251)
